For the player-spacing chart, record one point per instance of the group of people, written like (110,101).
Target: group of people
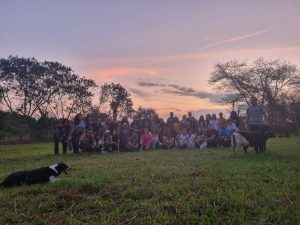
(151,132)
(144,133)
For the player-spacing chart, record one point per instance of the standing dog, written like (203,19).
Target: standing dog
(41,175)
(239,141)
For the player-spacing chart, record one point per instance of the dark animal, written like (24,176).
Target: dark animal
(258,139)
(41,175)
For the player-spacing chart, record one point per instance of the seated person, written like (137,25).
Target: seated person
(199,138)
(168,141)
(87,141)
(211,136)
(224,135)
(107,142)
(133,141)
(183,139)
(146,139)
(191,142)
(99,141)
(123,137)
(98,132)
(157,139)
(114,142)
(231,126)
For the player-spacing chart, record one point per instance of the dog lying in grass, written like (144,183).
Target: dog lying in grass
(41,175)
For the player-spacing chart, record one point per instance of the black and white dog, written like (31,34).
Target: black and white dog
(41,175)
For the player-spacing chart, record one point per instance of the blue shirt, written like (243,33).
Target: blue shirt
(254,114)
(225,132)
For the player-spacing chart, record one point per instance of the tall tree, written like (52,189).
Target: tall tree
(75,96)
(115,99)
(34,88)
(20,84)
(265,80)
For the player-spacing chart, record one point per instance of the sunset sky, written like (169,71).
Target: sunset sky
(162,51)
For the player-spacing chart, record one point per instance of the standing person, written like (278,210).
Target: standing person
(202,124)
(105,124)
(207,119)
(193,125)
(146,122)
(254,115)
(113,124)
(214,122)
(136,126)
(88,122)
(169,123)
(79,126)
(125,121)
(170,126)
(235,118)
(184,123)
(221,118)
(61,134)
(176,127)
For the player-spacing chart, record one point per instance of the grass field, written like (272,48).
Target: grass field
(157,187)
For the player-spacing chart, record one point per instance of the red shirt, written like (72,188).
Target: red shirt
(146,139)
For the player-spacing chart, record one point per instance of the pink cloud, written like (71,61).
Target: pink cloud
(109,74)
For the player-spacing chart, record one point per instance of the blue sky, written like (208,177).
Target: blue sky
(166,42)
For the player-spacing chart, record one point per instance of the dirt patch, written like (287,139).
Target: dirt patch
(198,174)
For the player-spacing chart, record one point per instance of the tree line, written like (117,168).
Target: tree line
(47,89)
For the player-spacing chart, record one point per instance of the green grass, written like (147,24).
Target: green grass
(157,187)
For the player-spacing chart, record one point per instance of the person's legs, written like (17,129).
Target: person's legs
(65,146)
(56,143)
(75,142)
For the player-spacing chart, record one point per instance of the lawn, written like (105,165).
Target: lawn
(157,187)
